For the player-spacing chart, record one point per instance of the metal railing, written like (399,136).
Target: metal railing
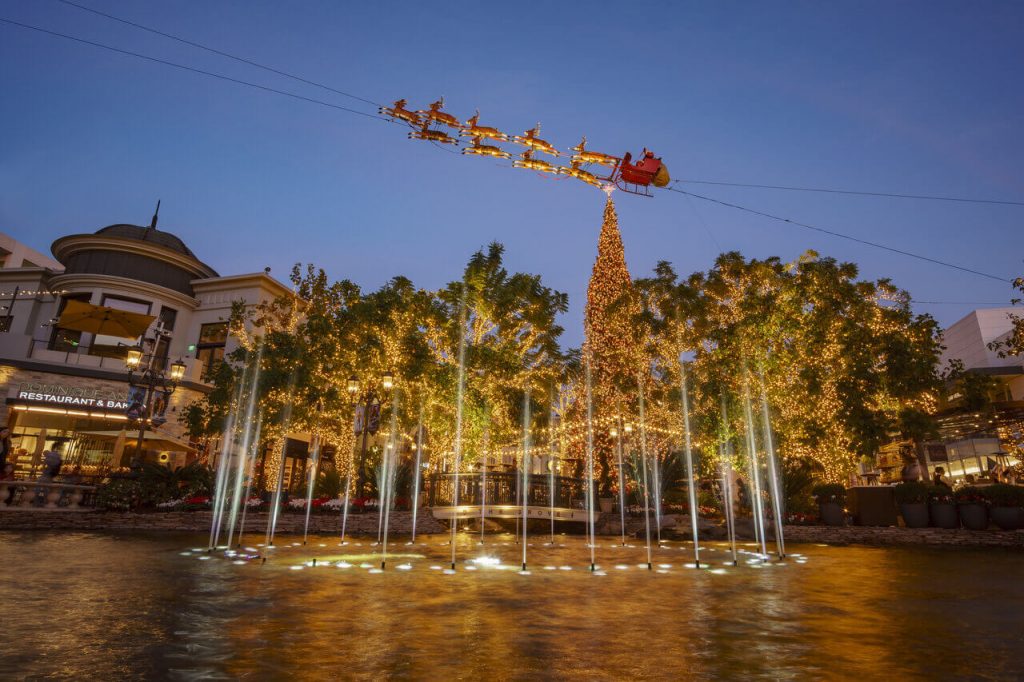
(504,488)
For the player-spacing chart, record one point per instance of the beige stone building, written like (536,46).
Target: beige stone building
(69,389)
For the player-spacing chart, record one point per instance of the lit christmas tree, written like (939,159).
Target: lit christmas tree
(610,343)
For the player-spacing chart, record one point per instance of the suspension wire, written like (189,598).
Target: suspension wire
(222,53)
(842,236)
(892,195)
(195,70)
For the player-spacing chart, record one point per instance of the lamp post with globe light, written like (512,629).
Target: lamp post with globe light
(150,379)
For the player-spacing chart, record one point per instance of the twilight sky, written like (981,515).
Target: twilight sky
(913,97)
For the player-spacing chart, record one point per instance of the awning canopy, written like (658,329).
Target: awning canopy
(97,319)
(151,441)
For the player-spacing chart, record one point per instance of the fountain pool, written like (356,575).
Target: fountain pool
(108,606)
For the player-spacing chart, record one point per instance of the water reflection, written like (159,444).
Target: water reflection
(109,606)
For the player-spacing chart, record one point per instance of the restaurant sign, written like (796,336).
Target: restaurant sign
(74,396)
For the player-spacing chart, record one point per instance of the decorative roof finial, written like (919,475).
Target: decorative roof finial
(156,215)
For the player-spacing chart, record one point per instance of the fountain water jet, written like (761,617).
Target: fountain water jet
(643,464)
(458,418)
(252,475)
(757,506)
(286,419)
(689,461)
(773,473)
(725,452)
(526,466)
(244,455)
(390,464)
(314,457)
(417,473)
(592,536)
(622,480)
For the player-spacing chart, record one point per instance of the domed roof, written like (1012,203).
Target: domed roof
(146,234)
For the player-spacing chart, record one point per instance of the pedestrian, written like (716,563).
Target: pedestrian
(7,474)
(52,461)
(939,478)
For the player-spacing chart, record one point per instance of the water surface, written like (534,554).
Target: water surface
(104,606)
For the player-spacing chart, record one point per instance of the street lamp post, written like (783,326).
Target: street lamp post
(151,379)
(366,399)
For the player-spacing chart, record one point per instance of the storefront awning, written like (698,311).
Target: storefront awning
(151,441)
(96,319)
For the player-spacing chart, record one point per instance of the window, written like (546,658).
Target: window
(165,322)
(66,340)
(114,346)
(210,348)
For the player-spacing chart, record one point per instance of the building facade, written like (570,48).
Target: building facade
(69,389)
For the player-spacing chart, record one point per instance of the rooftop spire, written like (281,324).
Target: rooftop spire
(156,215)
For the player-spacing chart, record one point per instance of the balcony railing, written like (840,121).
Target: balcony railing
(45,496)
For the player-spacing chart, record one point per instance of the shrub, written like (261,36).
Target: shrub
(939,494)
(829,492)
(911,492)
(119,494)
(1005,495)
(971,495)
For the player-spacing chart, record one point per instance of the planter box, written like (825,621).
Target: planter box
(974,516)
(1007,518)
(832,513)
(915,515)
(944,515)
(873,505)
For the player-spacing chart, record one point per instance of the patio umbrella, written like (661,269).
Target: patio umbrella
(98,319)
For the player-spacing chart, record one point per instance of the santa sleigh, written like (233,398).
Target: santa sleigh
(637,178)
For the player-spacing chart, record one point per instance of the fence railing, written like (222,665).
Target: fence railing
(505,488)
(45,495)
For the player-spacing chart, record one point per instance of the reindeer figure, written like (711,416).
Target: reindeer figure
(584,156)
(486,149)
(425,133)
(474,130)
(398,111)
(530,139)
(436,115)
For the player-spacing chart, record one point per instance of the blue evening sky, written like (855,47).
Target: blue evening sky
(916,97)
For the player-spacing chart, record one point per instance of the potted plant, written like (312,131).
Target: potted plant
(972,503)
(831,499)
(912,498)
(1007,502)
(942,507)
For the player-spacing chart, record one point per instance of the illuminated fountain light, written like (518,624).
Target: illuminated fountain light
(718,571)
(205,558)
(404,567)
(252,549)
(185,553)
(322,545)
(297,568)
(523,572)
(664,565)
(621,567)
(199,549)
(565,568)
(375,570)
(641,565)
(435,568)
(550,568)
(661,570)
(343,564)
(486,561)
(365,565)
(449,571)
(690,565)
(598,573)
(470,568)
(239,562)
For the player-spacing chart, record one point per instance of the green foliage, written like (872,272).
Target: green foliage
(1005,495)
(119,494)
(829,492)
(329,483)
(798,476)
(911,492)
(971,494)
